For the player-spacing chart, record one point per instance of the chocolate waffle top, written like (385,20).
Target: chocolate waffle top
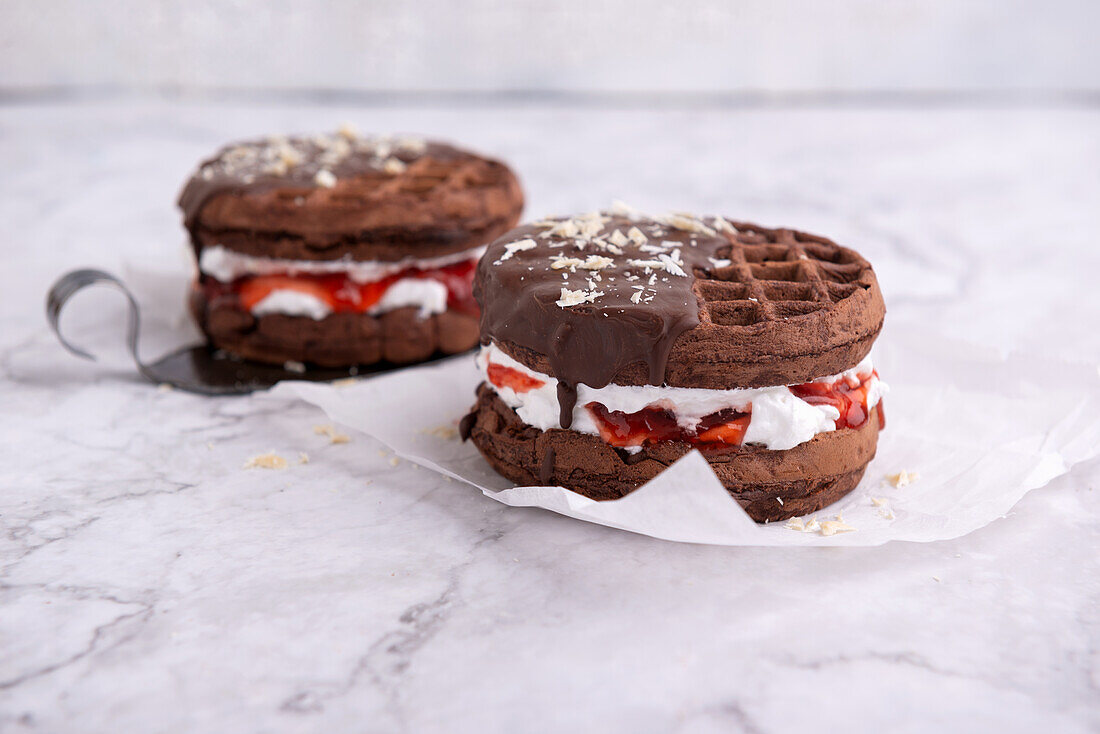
(328,197)
(677,300)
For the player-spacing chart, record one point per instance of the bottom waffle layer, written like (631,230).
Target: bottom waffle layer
(806,478)
(400,336)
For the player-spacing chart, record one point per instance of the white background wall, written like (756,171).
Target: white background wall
(589,46)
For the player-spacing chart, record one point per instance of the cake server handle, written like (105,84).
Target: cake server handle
(71,283)
(198,368)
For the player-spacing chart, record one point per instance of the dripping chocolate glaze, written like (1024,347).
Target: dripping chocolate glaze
(247,168)
(590,342)
(567,399)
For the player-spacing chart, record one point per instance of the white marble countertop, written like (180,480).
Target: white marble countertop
(151,584)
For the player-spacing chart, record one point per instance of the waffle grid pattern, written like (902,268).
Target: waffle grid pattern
(775,275)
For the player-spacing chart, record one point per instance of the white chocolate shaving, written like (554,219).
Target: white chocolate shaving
(575,298)
(394,166)
(637,236)
(596,262)
(513,247)
(722,225)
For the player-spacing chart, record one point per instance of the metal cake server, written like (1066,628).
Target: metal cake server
(198,369)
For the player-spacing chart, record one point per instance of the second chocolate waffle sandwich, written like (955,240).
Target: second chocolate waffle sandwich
(341,249)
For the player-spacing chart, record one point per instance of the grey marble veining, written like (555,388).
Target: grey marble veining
(149,583)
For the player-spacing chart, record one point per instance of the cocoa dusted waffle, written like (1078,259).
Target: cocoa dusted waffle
(614,343)
(340,250)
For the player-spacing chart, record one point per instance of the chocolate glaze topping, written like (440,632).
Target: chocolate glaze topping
(676,300)
(299,162)
(341,196)
(596,293)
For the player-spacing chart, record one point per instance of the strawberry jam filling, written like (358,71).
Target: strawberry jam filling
(342,294)
(848,395)
(651,425)
(509,377)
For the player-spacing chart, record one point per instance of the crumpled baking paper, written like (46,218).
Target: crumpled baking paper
(978,428)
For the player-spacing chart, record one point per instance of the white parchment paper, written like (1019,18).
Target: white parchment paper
(980,429)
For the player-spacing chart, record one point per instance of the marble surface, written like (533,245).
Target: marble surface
(150,583)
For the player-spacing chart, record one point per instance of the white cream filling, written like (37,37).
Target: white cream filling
(780,420)
(226,265)
(292,303)
(427,295)
(430,296)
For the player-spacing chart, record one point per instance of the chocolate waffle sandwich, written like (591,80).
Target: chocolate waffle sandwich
(342,250)
(613,343)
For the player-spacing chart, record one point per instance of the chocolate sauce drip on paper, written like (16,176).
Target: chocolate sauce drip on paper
(590,342)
